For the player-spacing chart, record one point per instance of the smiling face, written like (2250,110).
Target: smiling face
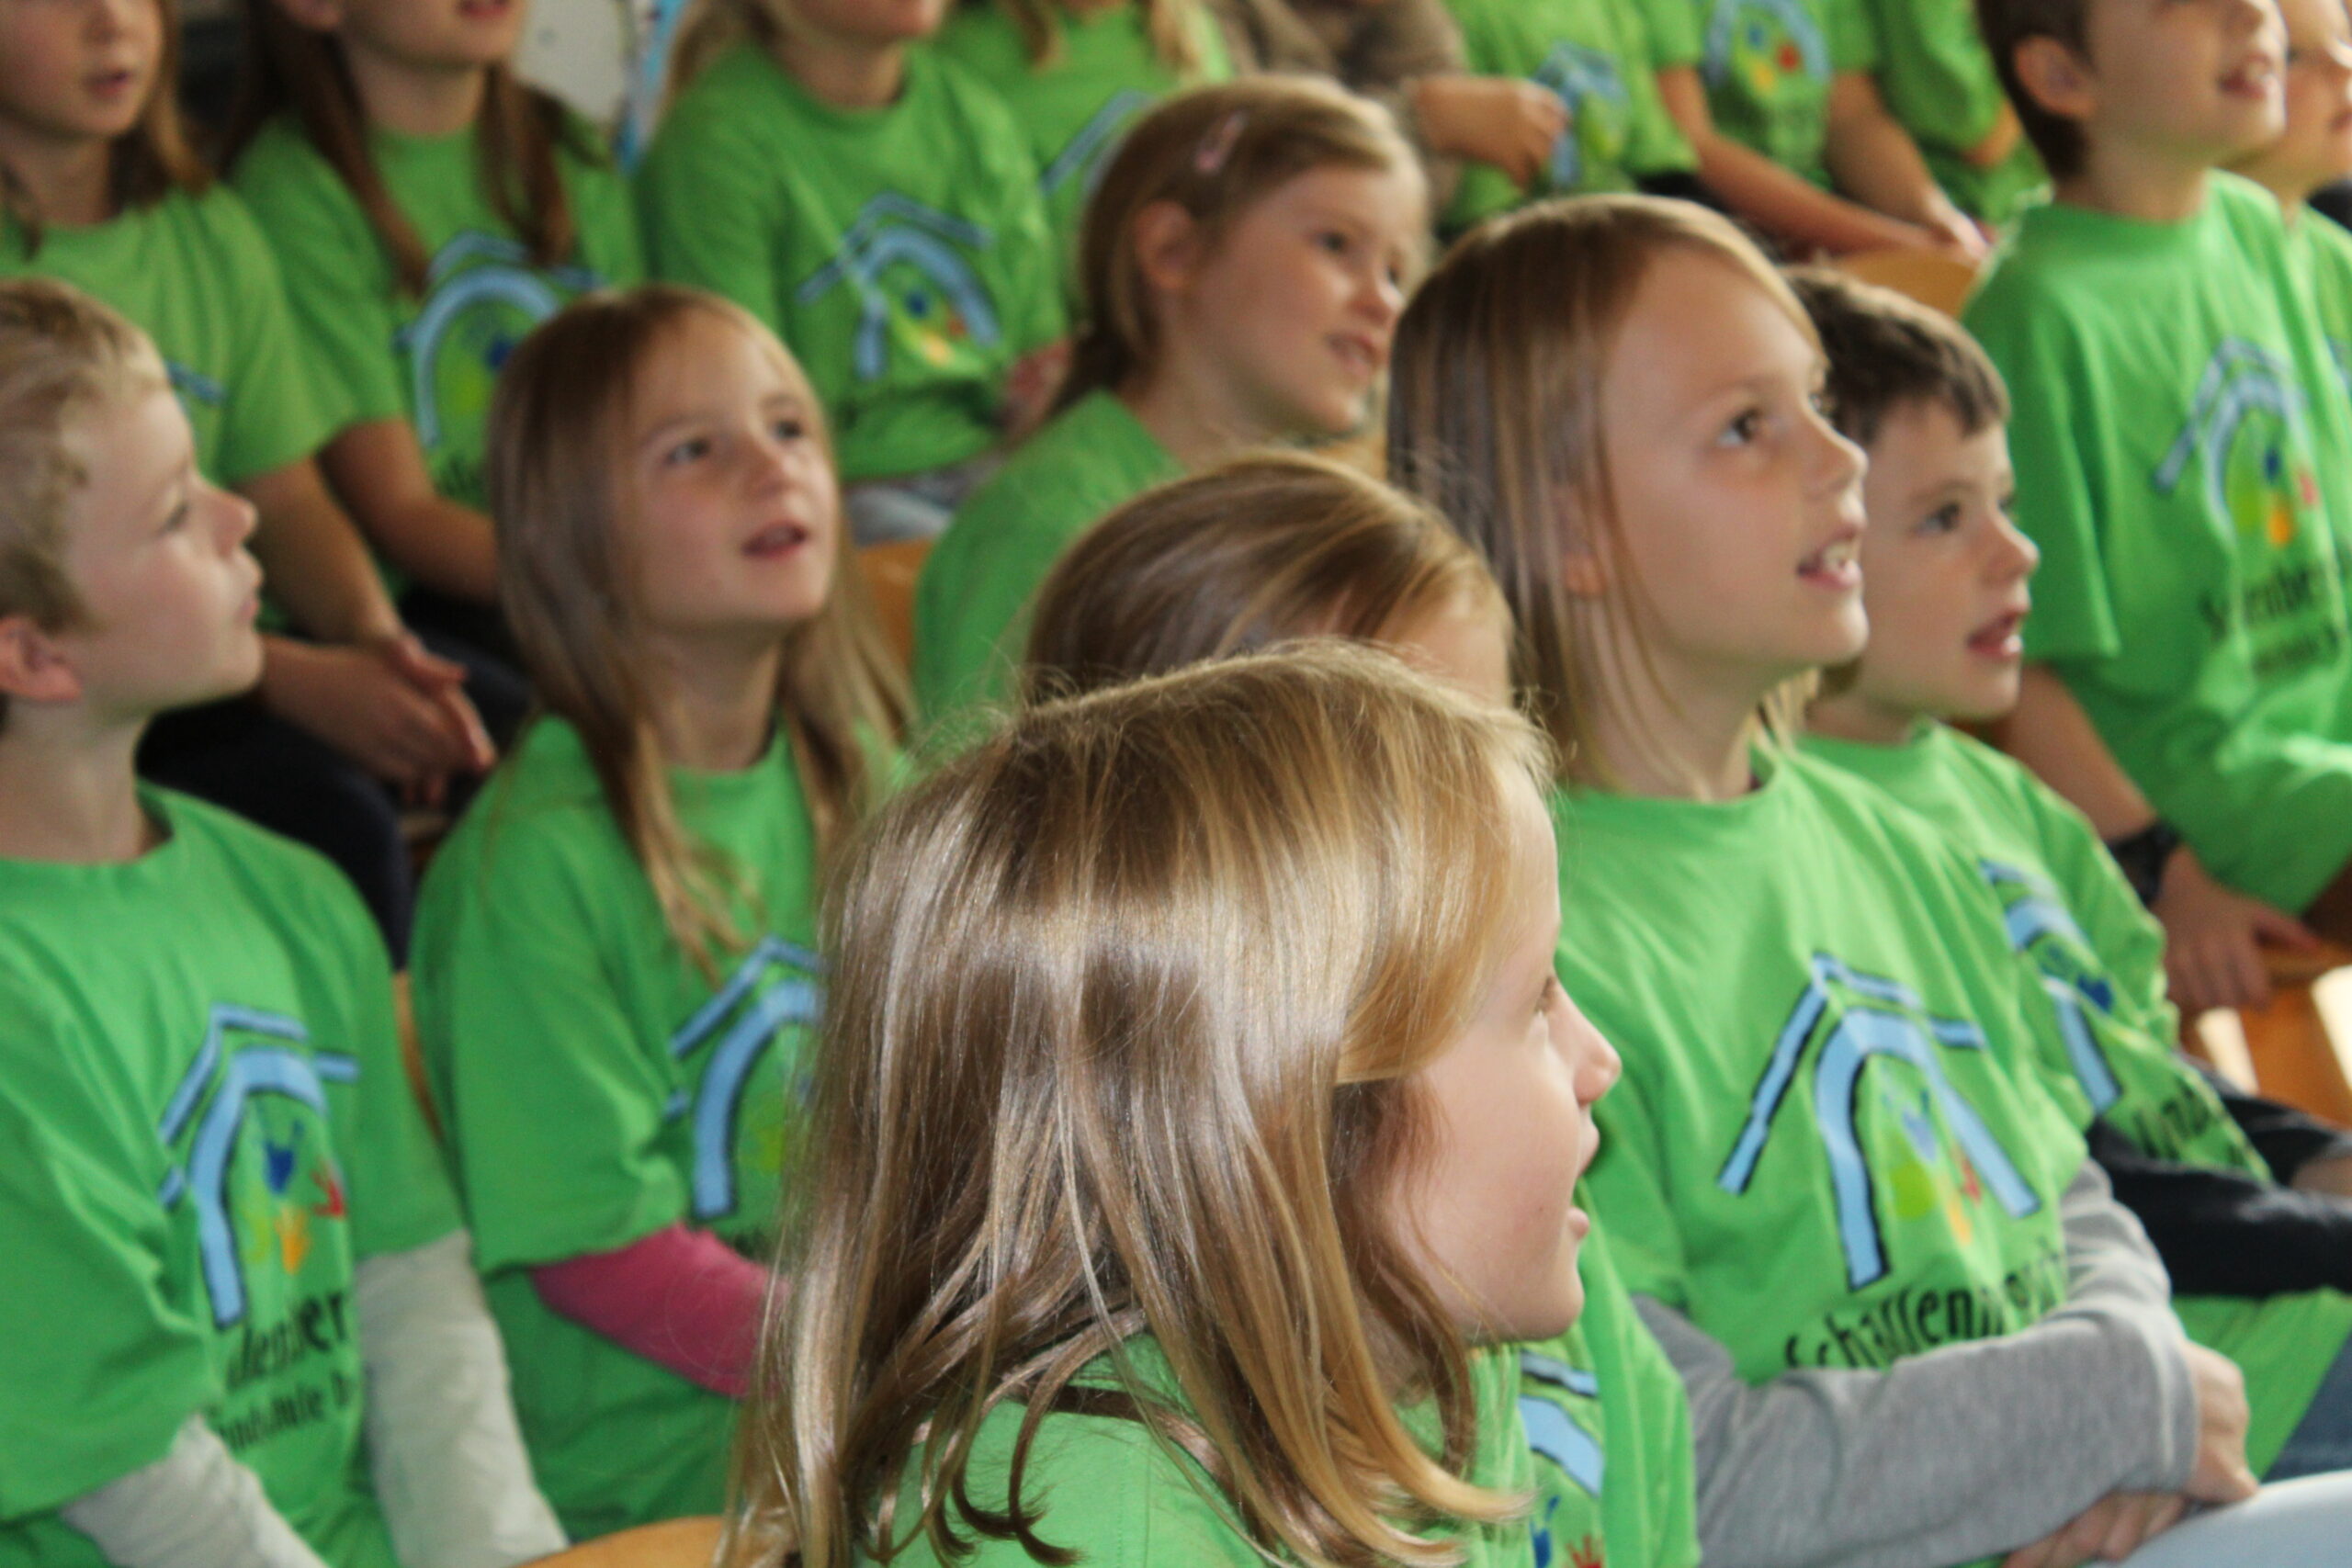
(1510,1117)
(2315,149)
(1737,507)
(75,73)
(1283,324)
(732,513)
(433,34)
(2194,81)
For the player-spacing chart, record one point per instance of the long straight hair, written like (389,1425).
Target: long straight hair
(147,162)
(1124,1008)
(1169,24)
(567,578)
(292,69)
(1496,416)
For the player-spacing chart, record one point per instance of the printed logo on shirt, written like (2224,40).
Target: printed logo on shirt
(2244,436)
(740,1106)
(482,296)
(1082,159)
(246,1130)
(195,391)
(910,271)
(1946,1160)
(1560,1413)
(1587,82)
(1762,44)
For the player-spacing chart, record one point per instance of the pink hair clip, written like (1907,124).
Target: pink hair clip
(1218,144)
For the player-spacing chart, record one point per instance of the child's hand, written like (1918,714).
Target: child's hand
(1491,119)
(367,703)
(2214,937)
(1956,232)
(2109,1530)
(2220,1474)
(1031,387)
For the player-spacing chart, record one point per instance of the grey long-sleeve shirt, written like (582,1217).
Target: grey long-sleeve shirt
(1963,1452)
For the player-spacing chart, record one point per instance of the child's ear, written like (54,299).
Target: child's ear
(32,666)
(1168,246)
(1583,575)
(316,16)
(2055,77)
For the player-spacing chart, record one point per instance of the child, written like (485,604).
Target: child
(1244,265)
(1944,585)
(2183,456)
(1953,1342)
(1196,1044)
(97,187)
(875,206)
(1075,74)
(615,969)
(428,208)
(1939,85)
(2313,152)
(1266,549)
(1780,101)
(241,1268)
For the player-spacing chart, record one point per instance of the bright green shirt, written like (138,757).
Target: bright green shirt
(206,1127)
(2323,250)
(1119,1498)
(1767,66)
(193,274)
(1938,80)
(1615,1484)
(2187,491)
(431,360)
(598,1087)
(1596,56)
(902,253)
(971,601)
(1075,108)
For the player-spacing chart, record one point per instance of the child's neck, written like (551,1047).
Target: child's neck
(1679,739)
(69,792)
(1857,717)
(2134,182)
(1191,415)
(846,72)
(71,182)
(413,100)
(714,702)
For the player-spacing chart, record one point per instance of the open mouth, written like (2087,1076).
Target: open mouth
(2002,639)
(111,84)
(2254,79)
(1360,355)
(776,540)
(1836,565)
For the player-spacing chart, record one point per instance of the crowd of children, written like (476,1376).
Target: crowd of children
(1483,995)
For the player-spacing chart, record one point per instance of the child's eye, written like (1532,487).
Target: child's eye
(1550,991)
(685,452)
(1944,519)
(177,516)
(790,429)
(1334,241)
(2009,504)
(1744,428)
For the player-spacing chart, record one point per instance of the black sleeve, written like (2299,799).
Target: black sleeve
(2222,1232)
(2285,1137)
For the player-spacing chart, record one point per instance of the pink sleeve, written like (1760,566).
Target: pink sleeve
(680,1298)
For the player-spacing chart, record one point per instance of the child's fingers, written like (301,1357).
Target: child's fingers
(2280,928)
(2249,978)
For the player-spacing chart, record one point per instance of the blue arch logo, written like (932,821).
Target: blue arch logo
(1587,82)
(2244,433)
(2042,927)
(774,987)
(1082,158)
(906,263)
(1762,43)
(1845,1019)
(483,296)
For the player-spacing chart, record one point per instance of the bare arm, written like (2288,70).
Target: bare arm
(1873,159)
(314,560)
(379,471)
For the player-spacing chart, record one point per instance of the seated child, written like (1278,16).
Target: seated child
(1244,261)
(2313,152)
(98,190)
(877,206)
(429,207)
(1939,82)
(615,968)
(1196,1045)
(2185,466)
(1075,74)
(1265,549)
(246,1332)
(1944,577)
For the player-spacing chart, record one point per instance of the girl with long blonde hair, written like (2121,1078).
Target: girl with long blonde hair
(616,976)
(1195,1047)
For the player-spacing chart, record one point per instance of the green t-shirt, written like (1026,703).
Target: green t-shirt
(193,274)
(902,253)
(2111,1054)
(2323,250)
(972,598)
(2187,491)
(1112,1492)
(1767,66)
(433,361)
(1938,80)
(1596,57)
(1075,110)
(1602,1403)
(597,1088)
(206,1126)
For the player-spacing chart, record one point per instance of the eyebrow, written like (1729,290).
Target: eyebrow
(173,484)
(782,399)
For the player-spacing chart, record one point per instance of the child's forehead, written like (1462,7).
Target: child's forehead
(1923,443)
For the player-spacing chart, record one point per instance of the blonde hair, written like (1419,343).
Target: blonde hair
(63,355)
(1168,24)
(1496,419)
(1214,151)
(1124,1005)
(567,578)
(144,164)
(1238,557)
(711,27)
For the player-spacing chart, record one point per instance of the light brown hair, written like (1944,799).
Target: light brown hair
(1169,24)
(63,355)
(144,165)
(2008,24)
(1124,1006)
(567,574)
(1888,353)
(1214,151)
(1246,555)
(1496,419)
(291,69)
